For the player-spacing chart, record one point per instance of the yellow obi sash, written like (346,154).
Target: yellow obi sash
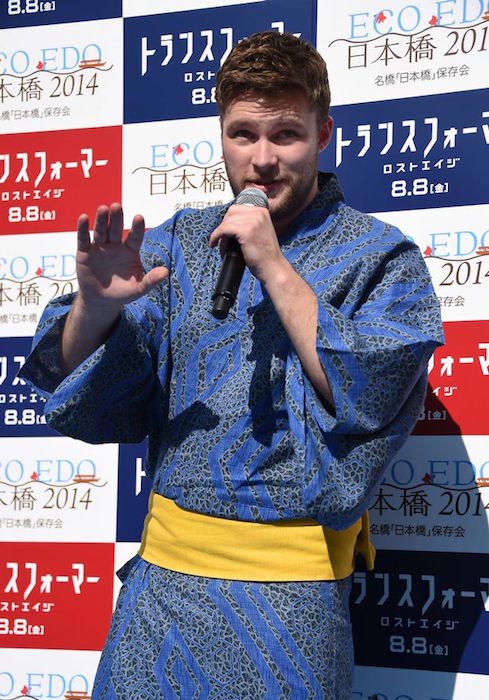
(287,550)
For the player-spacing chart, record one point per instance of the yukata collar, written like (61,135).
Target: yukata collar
(329,192)
(328,198)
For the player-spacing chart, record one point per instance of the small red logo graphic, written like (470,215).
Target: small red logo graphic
(85,479)
(91,63)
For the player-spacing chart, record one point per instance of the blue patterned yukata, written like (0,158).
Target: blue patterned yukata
(236,430)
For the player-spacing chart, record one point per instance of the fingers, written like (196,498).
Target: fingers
(109,223)
(135,236)
(153,277)
(100,226)
(216,236)
(221,235)
(116,223)
(241,222)
(109,227)
(83,233)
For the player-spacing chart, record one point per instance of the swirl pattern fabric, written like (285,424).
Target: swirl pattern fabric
(178,637)
(236,430)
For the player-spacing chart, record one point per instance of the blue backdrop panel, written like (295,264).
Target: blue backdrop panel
(423,610)
(21,410)
(438,156)
(133,492)
(170,60)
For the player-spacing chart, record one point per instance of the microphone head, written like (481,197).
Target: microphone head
(252,197)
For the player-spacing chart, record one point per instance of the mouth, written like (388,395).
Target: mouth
(269,187)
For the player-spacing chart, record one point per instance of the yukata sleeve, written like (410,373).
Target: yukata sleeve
(375,358)
(117,394)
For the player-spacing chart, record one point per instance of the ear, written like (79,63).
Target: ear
(325,133)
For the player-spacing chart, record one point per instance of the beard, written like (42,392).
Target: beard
(294,197)
(293,193)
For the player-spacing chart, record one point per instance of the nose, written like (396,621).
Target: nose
(264,154)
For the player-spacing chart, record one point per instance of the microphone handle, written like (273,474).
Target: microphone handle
(227,286)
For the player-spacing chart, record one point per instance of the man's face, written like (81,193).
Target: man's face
(273,142)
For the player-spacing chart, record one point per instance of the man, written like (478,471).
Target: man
(268,430)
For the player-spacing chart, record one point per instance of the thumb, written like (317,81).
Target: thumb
(153,277)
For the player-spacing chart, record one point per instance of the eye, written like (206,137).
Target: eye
(242,134)
(287,135)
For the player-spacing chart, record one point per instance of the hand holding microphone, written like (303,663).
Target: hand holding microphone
(233,264)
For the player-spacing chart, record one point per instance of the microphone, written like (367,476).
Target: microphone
(233,263)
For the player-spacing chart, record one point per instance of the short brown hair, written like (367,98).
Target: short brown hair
(271,62)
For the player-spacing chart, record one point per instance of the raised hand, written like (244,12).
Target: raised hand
(110,274)
(109,268)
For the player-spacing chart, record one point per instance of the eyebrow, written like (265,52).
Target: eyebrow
(282,122)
